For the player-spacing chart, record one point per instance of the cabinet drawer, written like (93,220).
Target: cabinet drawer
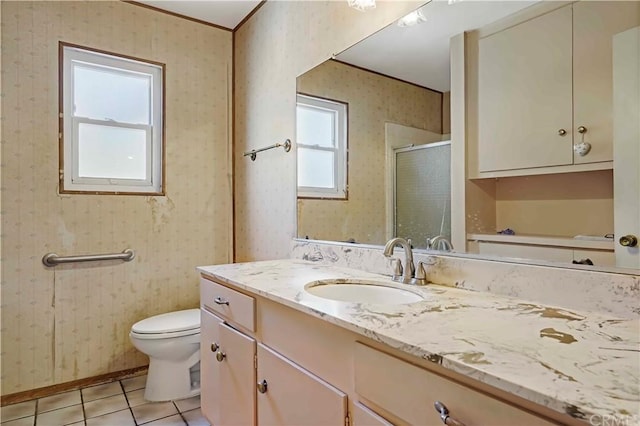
(230,304)
(409,392)
(363,416)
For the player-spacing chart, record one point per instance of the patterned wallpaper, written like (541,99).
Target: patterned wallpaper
(281,41)
(73,321)
(373,100)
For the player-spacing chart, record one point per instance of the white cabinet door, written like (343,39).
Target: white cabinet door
(525,87)
(594,25)
(236,359)
(209,371)
(626,172)
(293,396)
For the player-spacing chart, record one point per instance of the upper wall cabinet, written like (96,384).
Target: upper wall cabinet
(545,86)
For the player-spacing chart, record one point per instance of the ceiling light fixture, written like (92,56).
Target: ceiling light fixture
(362,4)
(454,1)
(413,18)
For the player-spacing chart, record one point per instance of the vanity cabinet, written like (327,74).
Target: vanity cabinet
(246,383)
(540,81)
(307,371)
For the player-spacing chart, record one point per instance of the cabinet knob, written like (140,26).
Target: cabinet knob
(220,356)
(628,241)
(444,415)
(262,386)
(562,132)
(214,347)
(220,301)
(582,129)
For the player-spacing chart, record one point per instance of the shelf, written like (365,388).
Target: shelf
(542,240)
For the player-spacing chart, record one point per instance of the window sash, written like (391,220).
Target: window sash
(77,179)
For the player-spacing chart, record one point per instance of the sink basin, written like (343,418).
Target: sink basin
(362,292)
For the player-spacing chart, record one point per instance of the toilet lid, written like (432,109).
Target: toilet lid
(169,323)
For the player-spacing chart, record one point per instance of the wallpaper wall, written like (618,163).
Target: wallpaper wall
(373,100)
(281,41)
(70,322)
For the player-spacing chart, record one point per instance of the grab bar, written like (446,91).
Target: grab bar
(52,259)
(253,153)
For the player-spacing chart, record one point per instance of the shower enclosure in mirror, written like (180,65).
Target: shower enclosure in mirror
(502,67)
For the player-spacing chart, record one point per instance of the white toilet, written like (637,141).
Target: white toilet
(172,342)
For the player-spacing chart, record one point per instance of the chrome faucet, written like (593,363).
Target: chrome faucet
(439,243)
(409,274)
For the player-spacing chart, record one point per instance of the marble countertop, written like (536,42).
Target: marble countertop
(580,363)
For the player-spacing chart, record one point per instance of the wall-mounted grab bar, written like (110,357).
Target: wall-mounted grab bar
(253,153)
(52,259)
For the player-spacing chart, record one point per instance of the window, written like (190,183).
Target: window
(322,148)
(112,123)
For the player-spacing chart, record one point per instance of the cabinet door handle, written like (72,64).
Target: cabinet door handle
(220,356)
(628,241)
(444,415)
(562,132)
(582,129)
(220,301)
(262,386)
(214,347)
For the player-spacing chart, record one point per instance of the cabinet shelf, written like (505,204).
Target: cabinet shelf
(545,240)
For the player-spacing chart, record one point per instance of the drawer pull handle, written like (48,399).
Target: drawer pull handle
(262,386)
(220,301)
(220,356)
(444,415)
(214,347)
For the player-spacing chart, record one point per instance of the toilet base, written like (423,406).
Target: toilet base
(165,382)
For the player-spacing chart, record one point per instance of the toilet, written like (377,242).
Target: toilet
(172,342)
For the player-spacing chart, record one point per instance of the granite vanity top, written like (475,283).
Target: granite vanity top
(581,363)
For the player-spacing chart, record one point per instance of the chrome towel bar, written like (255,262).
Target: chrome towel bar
(52,259)
(253,153)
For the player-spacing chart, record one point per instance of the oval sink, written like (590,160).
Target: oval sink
(362,292)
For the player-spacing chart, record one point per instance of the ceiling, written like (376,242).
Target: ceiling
(420,54)
(223,13)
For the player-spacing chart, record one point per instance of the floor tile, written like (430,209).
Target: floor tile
(136,398)
(62,416)
(107,405)
(153,411)
(195,418)
(101,391)
(60,400)
(15,411)
(119,418)
(188,404)
(134,383)
(23,421)
(168,421)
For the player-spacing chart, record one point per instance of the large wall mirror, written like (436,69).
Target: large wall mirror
(375,149)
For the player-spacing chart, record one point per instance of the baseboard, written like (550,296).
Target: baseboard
(14,398)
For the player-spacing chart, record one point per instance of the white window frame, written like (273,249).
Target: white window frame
(70,181)
(340,135)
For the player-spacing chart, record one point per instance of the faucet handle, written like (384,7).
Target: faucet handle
(421,274)
(397,268)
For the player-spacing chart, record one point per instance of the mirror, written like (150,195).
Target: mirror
(396,88)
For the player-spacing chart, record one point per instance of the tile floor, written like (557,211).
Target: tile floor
(118,403)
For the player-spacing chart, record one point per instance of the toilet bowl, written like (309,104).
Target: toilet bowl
(172,342)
